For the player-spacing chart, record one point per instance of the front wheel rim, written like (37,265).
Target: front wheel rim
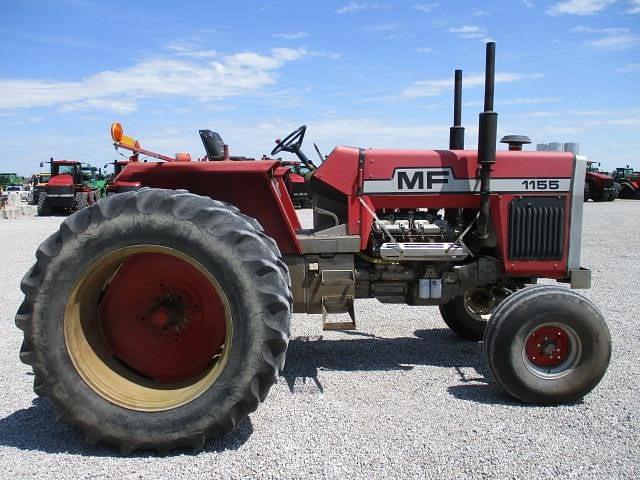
(551,350)
(112,370)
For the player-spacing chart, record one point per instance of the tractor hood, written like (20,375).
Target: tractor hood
(600,176)
(61,180)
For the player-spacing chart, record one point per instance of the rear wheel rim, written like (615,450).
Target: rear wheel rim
(148,328)
(551,350)
(479,303)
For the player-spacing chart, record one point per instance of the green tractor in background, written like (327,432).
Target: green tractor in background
(95,180)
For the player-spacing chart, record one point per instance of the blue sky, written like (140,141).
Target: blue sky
(362,73)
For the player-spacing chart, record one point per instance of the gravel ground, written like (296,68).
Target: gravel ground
(401,397)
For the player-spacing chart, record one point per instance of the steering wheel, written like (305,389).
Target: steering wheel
(292,142)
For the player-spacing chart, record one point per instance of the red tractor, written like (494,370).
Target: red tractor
(68,188)
(627,182)
(598,186)
(160,317)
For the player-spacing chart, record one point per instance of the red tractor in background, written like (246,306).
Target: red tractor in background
(68,188)
(598,186)
(158,318)
(627,182)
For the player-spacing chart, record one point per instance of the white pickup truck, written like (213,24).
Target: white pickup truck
(15,188)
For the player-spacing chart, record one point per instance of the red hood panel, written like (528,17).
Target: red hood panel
(60,180)
(380,164)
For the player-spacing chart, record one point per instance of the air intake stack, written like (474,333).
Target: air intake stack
(487,131)
(456,133)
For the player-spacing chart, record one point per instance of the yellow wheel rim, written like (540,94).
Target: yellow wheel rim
(89,351)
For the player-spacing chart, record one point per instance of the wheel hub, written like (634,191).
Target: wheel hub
(548,346)
(158,317)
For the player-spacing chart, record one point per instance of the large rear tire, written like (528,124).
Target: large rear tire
(547,345)
(44,209)
(156,319)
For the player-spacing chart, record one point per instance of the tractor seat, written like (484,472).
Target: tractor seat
(213,144)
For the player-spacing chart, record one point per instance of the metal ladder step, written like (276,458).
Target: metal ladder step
(338,326)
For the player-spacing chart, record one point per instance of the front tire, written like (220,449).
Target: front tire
(547,345)
(44,209)
(156,319)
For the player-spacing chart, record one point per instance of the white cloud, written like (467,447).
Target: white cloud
(626,121)
(190,50)
(616,41)
(614,37)
(424,50)
(433,88)
(608,30)
(353,7)
(382,27)
(635,7)
(579,7)
(516,101)
(117,90)
(117,106)
(469,31)
(425,7)
(290,36)
(528,3)
(527,101)
(629,67)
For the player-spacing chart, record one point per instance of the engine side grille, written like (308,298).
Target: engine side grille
(536,228)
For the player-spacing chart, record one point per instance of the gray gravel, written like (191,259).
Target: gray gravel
(402,397)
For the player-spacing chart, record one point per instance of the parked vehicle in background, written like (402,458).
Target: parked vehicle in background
(18,188)
(627,182)
(7,179)
(95,180)
(598,186)
(69,188)
(38,182)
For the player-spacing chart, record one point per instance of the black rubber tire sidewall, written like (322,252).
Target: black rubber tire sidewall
(43,209)
(236,392)
(523,315)
(80,201)
(458,319)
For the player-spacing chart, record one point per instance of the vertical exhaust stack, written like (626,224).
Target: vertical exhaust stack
(456,133)
(487,131)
